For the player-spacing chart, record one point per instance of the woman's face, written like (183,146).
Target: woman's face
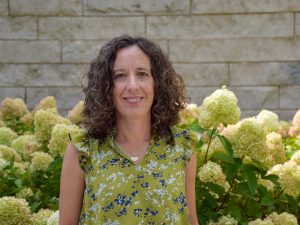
(133,90)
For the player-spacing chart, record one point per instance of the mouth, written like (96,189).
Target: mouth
(133,100)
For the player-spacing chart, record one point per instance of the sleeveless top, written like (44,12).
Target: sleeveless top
(117,191)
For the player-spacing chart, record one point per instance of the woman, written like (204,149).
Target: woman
(134,167)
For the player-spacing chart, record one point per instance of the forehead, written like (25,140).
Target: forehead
(131,56)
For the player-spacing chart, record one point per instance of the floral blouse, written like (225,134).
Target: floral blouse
(117,191)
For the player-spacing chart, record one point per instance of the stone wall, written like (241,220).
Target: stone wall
(252,46)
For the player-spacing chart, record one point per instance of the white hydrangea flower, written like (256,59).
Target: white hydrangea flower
(269,120)
(220,107)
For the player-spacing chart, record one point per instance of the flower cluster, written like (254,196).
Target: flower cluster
(14,211)
(247,138)
(276,153)
(276,219)
(269,120)
(289,177)
(25,193)
(40,161)
(7,136)
(13,108)
(48,102)
(41,217)
(60,138)
(219,107)
(75,114)
(295,128)
(225,220)
(44,121)
(9,153)
(212,172)
(25,145)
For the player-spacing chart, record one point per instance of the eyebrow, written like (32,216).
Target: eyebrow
(140,69)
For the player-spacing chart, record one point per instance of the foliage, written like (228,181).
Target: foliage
(248,170)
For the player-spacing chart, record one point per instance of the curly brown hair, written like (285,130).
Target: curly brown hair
(99,113)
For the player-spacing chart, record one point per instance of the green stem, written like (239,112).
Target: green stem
(209,142)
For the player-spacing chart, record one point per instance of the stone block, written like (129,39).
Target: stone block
(221,26)
(92,28)
(198,94)
(256,98)
(18,28)
(86,51)
(297,24)
(30,51)
(249,113)
(11,92)
(244,6)
(46,8)
(286,73)
(66,97)
(32,75)
(4,7)
(80,51)
(289,97)
(203,74)
(235,50)
(286,114)
(135,7)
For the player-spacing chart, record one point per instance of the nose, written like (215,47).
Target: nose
(133,84)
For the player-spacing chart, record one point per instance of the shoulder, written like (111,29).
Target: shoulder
(82,142)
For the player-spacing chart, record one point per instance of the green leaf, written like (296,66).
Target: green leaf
(267,200)
(223,156)
(226,144)
(234,210)
(18,182)
(251,180)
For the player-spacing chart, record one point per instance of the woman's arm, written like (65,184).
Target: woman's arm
(71,188)
(190,177)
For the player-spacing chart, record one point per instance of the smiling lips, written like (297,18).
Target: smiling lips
(133,100)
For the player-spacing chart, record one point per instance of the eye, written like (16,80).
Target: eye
(142,74)
(119,76)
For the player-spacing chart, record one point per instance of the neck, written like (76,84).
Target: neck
(133,130)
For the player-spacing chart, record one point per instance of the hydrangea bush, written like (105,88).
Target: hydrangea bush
(248,170)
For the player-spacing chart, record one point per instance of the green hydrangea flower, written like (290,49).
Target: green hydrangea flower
(44,121)
(269,120)
(261,222)
(296,157)
(40,161)
(276,153)
(48,102)
(289,178)
(283,218)
(225,220)
(212,172)
(75,114)
(7,135)
(25,193)
(41,217)
(53,219)
(20,168)
(60,138)
(219,107)
(3,163)
(9,153)
(248,139)
(13,108)
(14,211)
(25,145)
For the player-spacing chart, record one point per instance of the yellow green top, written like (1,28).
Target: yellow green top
(120,192)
